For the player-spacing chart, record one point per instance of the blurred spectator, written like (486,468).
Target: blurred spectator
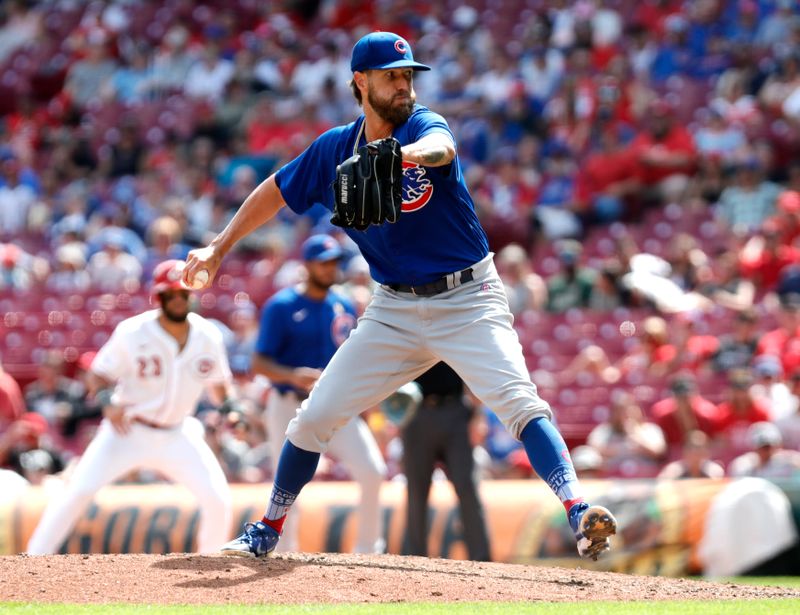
(69,273)
(628,444)
(555,215)
(745,205)
(608,180)
(685,411)
(693,349)
(784,341)
(673,55)
(22,25)
(587,461)
(737,348)
(695,460)
(767,459)
(724,284)
(736,106)
(790,425)
(87,76)
(654,353)
(741,409)
(770,388)
(781,83)
(764,257)
(28,433)
(53,394)
(524,288)
(244,332)
(12,404)
(114,270)
(208,77)
(718,139)
(173,60)
(125,155)
(164,239)
(13,275)
(16,197)
(572,286)
(666,154)
(608,292)
(133,82)
(777,26)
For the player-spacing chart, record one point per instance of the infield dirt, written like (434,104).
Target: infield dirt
(332,578)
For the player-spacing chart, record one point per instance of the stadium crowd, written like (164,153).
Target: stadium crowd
(636,165)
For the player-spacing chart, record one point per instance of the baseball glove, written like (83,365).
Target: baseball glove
(369,186)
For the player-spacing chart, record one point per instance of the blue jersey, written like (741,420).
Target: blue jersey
(299,332)
(438,232)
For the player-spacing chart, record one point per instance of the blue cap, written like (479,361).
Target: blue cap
(321,248)
(379,50)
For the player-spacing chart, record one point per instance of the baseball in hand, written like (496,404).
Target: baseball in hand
(627,328)
(200,279)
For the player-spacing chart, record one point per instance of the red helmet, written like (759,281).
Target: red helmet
(167,276)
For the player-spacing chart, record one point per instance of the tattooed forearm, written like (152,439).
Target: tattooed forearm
(433,156)
(431,151)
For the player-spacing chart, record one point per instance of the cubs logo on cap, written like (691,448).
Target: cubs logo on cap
(381,50)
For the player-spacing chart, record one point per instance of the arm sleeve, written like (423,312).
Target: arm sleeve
(306,180)
(112,360)
(222,370)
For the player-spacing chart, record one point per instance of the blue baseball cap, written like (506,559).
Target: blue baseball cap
(321,248)
(380,50)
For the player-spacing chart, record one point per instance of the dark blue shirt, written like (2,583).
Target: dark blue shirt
(438,232)
(296,331)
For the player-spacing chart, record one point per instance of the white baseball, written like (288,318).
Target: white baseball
(200,279)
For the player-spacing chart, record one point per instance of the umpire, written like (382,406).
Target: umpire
(439,432)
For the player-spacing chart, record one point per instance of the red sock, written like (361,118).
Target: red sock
(570,503)
(276,524)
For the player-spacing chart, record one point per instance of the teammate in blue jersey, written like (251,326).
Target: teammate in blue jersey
(301,329)
(439,299)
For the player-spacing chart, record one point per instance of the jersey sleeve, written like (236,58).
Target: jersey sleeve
(427,122)
(306,180)
(222,370)
(111,361)
(270,330)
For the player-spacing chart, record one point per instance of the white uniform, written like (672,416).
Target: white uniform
(160,384)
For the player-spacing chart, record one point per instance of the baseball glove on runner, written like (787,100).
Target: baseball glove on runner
(369,186)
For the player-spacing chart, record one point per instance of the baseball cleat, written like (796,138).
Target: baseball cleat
(592,526)
(257,540)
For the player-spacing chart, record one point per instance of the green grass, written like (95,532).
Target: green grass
(755,607)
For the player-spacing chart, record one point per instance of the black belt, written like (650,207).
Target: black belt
(448,282)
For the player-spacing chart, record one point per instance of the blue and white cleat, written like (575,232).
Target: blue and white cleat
(592,526)
(257,540)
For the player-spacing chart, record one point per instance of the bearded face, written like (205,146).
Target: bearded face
(391,104)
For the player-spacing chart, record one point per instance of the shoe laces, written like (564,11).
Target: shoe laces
(251,530)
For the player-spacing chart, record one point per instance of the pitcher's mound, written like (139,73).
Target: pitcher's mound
(329,578)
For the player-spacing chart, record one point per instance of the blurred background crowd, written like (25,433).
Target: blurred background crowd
(636,164)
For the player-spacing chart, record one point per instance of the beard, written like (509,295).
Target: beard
(390,110)
(173,315)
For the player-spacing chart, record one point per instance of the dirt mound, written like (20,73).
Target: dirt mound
(329,578)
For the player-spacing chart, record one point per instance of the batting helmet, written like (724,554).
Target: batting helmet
(167,276)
